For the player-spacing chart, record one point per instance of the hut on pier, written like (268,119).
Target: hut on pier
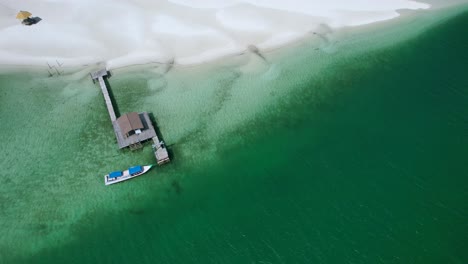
(131,129)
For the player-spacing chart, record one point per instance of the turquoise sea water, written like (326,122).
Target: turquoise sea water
(362,159)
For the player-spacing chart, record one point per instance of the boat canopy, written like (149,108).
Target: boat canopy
(115,174)
(135,170)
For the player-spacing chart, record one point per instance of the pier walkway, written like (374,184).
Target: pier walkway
(99,75)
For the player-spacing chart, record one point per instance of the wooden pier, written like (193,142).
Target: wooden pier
(99,75)
(131,129)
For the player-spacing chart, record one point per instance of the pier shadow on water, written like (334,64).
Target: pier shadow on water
(112,97)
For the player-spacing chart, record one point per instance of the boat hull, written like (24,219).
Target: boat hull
(125,176)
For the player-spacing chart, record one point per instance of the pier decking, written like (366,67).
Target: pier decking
(160,151)
(99,75)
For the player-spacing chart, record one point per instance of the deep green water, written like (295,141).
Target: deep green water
(367,164)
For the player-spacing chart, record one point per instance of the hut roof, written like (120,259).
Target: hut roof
(129,122)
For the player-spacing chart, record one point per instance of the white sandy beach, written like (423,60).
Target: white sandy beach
(126,32)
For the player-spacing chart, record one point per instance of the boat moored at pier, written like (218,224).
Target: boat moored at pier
(119,176)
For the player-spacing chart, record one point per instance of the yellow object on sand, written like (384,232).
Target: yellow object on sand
(23,15)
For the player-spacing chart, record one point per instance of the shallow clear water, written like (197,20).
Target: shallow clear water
(330,152)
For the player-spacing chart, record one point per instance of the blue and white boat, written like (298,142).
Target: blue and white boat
(119,176)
